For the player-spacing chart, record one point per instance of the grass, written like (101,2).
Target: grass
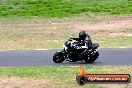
(42,31)
(63,74)
(21,33)
(49,44)
(28,34)
(114,42)
(62,8)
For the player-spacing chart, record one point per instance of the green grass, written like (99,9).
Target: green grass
(40,33)
(31,39)
(114,42)
(62,74)
(62,8)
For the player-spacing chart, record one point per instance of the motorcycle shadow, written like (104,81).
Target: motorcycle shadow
(78,63)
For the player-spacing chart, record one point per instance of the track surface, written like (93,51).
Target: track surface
(108,56)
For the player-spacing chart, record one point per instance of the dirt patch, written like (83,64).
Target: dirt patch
(16,82)
(105,23)
(74,24)
(69,25)
(120,34)
(30,33)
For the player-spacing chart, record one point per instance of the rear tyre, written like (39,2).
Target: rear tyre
(87,59)
(91,58)
(95,57)
(58,57)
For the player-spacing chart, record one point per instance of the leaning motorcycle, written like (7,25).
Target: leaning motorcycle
(73,52)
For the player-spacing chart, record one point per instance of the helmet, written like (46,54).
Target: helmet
(82,35)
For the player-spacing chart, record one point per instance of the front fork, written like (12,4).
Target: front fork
(65,54)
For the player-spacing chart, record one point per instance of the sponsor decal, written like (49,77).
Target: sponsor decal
(83,78)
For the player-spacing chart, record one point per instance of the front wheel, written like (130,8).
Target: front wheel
(58,57)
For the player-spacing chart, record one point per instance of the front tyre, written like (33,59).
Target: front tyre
(58,57)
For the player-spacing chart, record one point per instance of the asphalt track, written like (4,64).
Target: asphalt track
(108,56)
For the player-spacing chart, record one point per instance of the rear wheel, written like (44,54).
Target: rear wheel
(58,57)
(95,57)
(91,58)
(87,59)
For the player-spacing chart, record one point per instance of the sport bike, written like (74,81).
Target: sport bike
(73,52)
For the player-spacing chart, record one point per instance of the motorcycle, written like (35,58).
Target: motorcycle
(73,52)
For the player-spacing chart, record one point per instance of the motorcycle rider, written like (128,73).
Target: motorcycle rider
(78,49)
(85,40)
